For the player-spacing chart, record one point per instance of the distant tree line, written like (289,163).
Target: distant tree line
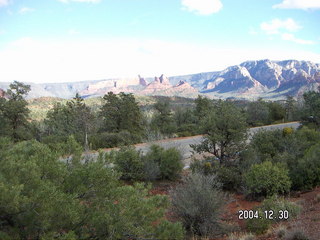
(121,121)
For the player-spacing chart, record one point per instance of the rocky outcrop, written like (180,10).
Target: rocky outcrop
(250,79)
(264,78)
(142,81)
(159,84)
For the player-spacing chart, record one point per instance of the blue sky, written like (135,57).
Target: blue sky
(75,40)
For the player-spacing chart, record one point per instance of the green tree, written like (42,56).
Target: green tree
(73,118)
(163,118)
(122,113)
(290,108)
(15,113)
(83,118)
(203,107)
(277,112)
(258,113)
(225,132)
(185,121)
(312,108)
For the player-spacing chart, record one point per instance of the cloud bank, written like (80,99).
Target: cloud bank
(32,60)
(276,25)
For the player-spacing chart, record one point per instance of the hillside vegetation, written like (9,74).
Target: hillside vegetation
(49,189)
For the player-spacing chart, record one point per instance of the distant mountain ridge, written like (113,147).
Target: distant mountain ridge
(249,80)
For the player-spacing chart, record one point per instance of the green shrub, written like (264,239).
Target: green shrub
(170,165)
(151,170)
(258,225)
(277,204)
(229,176)
(274,204)
(287,131)
(267,179)
(306,172)
(169,161)
(128,162)
(199,202)
(205,166)
(45,198)
(109,140)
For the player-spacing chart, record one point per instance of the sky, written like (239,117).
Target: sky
(76,40)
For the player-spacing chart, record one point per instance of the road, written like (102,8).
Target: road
(183,143)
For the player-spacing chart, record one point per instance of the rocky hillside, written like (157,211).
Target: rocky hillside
(249,80)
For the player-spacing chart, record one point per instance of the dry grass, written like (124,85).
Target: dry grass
(242,236)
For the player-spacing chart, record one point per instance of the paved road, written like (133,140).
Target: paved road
(183,144)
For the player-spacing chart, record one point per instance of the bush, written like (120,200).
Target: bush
(45,198)
(128,162)
(267,179)
(205,166)
(151,170)
(274,204)
(306,172)
(170,165)
(258,225)
(168,161)
(280,204)
(229,176)
(109,140)
(199,202)
(287,131)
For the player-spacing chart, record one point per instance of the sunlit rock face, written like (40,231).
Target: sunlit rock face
(249,80)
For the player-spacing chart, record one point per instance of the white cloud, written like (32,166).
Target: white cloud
(26,10)
(202,7)
(292,38)
(276,25)
(284,29)
(4,2)
(85,1)
(59,61)
(299,4)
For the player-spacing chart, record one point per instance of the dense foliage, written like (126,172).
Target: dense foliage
(225,131)
(14,114)
(157,163)
(267,179)
(42,197)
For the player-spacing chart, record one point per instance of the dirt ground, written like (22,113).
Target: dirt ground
(308,220)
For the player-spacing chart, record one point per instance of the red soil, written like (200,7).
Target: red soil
(308,220)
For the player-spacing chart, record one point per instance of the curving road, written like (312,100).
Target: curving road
(183,143)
